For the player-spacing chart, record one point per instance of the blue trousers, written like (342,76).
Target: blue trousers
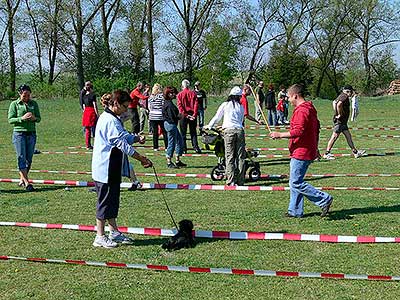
(300,189)
(175,141)
(24,144)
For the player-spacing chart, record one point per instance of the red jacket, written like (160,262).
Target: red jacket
(244,103)
(304,132)
(135,96)
(187,103)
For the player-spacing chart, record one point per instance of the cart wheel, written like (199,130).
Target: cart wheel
(254,174)
(218,173)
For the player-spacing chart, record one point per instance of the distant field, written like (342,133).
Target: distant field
(370,213)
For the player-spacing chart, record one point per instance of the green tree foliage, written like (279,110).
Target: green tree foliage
(219,62)
(286,68)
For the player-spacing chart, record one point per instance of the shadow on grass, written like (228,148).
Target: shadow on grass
(37,190)
(348,214)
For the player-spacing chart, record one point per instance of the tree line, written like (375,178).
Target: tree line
(115,43)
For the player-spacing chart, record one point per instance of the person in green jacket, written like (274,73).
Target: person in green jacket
(24,113)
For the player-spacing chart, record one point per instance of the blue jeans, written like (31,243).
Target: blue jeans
(175,141)
(271,118)
(299,188)
(24,144)
(201,117)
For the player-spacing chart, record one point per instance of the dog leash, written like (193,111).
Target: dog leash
(165,201)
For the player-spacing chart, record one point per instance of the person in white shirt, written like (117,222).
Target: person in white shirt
(354,106)
(233,113)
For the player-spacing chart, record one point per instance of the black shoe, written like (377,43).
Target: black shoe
(89,148)
(171,166)
(325,209)
(135,185)
(30,188)
(180,164)
(197,150)
(92,189)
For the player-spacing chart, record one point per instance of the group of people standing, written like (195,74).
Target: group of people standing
(113,143)
(277,114)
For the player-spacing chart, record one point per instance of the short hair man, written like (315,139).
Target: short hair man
(188,106)
(341,116)
(202,99)
(303,147)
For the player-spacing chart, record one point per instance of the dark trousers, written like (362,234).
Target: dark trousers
(135,119)
(192,129)
(154,126)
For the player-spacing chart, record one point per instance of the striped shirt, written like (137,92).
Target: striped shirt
(156,104)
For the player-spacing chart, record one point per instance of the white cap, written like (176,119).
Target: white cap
(235,91)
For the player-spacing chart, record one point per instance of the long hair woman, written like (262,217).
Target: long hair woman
(156,103)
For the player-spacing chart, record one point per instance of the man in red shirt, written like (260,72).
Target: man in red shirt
(188,107)
(136,95)
(303,147)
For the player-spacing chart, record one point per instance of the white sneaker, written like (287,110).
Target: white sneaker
(328,156)
(118,237)
(104,241)
(359,153)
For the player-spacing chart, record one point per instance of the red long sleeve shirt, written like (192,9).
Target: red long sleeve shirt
(135,96)
(187,103)
(304,132)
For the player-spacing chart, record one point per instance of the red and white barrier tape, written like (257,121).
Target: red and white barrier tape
(213,155)
(189,175)
(226,271)
(231,235)
(387,128)
(359,136)
(203,187)
(264,148)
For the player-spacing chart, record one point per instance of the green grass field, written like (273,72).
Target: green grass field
(374,213)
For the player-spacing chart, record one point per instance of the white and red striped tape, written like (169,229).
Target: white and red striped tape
(387,128)
(266,136)
(231,235)
(226,271)
(263,148)
(203,187)
(213,155)
(190,175)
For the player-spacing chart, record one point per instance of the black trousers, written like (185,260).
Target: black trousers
(154,126)
(135,119)
(183,124)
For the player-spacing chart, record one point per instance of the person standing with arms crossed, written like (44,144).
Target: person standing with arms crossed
(188,106)
(136,95)
(202,98)
(303,146)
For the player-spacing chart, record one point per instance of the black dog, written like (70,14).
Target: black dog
(183,239)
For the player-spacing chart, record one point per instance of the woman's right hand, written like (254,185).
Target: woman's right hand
(146,163)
